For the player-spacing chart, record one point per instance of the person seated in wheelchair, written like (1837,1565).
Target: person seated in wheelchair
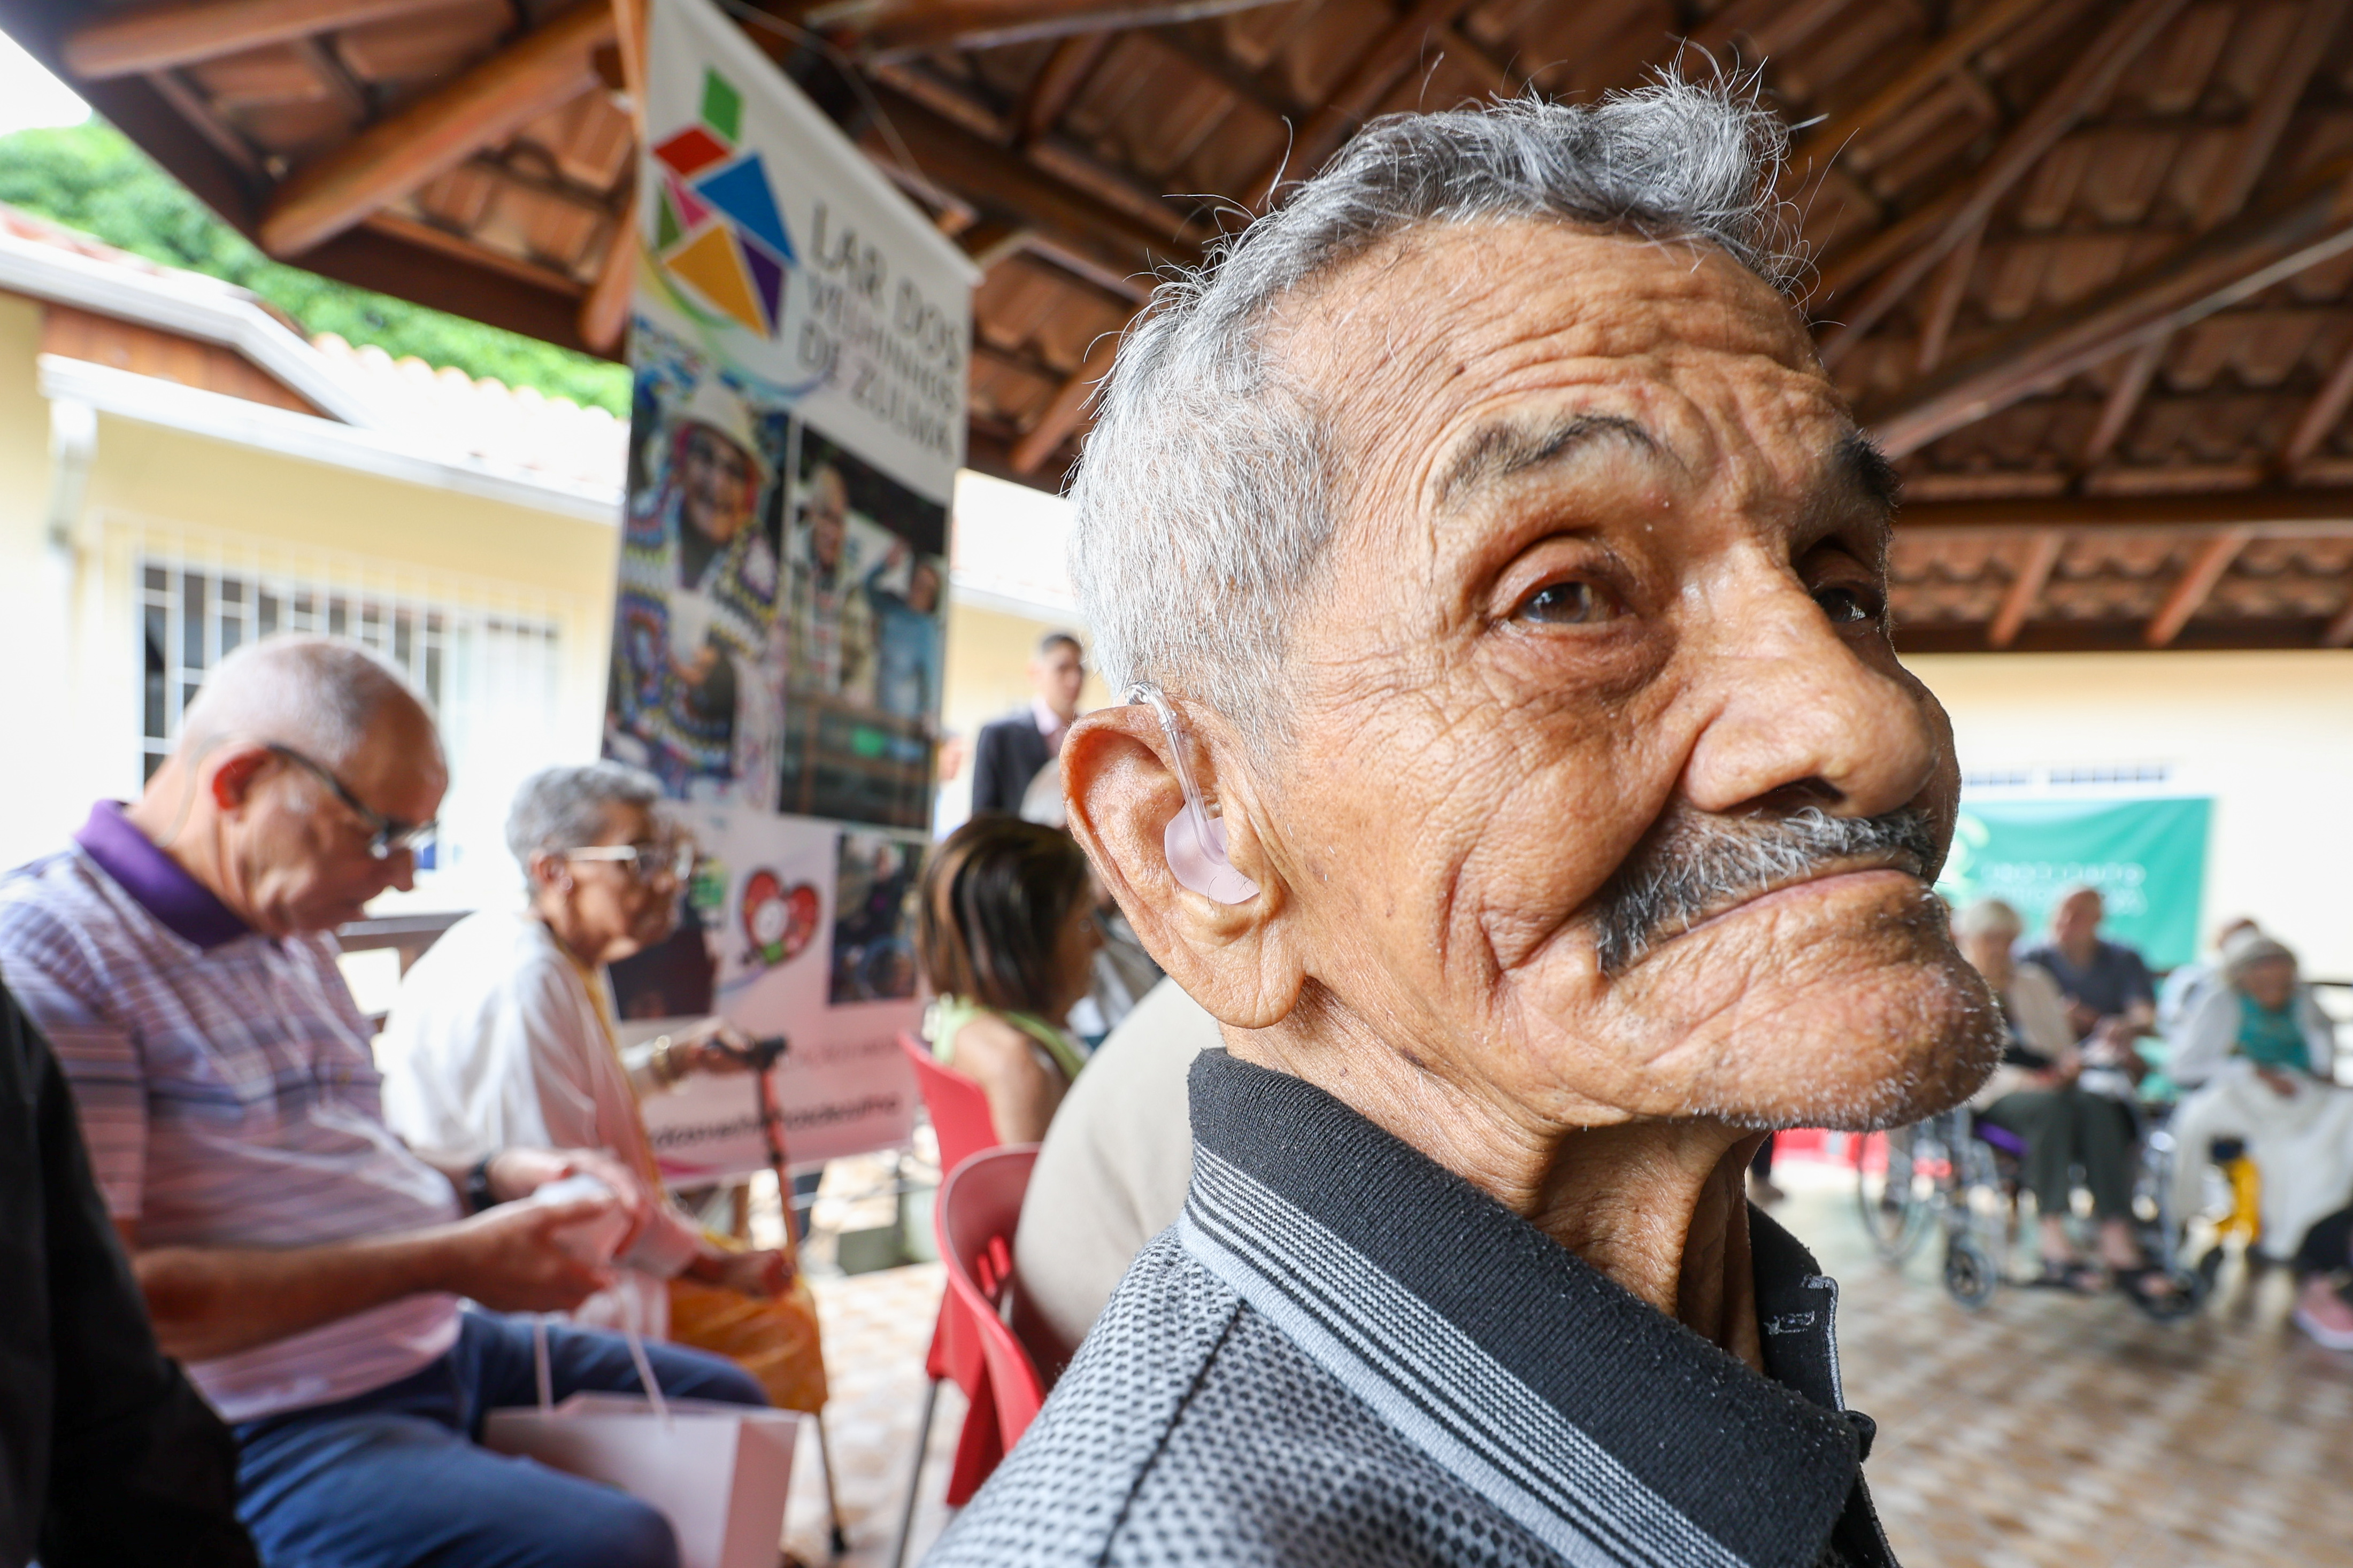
(2069,1103)
(2256,1060)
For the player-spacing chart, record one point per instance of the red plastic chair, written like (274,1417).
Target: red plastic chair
(980,1208)
(958,1109)
(962,1121)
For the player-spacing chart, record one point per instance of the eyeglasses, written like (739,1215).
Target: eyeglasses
(387,835)
(645,861)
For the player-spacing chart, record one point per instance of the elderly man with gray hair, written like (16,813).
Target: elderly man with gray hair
(1512,580)
(310,1267)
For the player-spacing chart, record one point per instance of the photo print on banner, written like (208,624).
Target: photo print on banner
(876,887)
(799,338)
(865,625)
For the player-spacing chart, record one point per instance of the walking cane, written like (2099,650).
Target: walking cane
(762,1057)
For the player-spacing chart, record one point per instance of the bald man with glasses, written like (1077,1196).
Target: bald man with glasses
(305,1264)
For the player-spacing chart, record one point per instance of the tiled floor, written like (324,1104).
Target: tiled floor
(2044,1430)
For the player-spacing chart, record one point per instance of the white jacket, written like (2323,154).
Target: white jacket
(2209,1033)
(493,1043)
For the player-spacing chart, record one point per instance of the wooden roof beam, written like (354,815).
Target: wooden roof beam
(1067,411)
(2285,512)
(898,29)
(949,157)
(2310,227)
(2090,79)
(2043,552)
(2196,586)
(1059,81)
(2339,632)
(2124,400)
(1948,54)
(161,37)
(2320,415)
(1379,69)
(2268,120)
(484,106)
(604,313)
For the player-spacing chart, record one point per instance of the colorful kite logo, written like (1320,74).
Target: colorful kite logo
(717,226)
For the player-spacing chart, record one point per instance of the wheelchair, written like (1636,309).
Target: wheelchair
(1957,1176)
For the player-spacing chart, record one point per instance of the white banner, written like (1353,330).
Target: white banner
(799,341)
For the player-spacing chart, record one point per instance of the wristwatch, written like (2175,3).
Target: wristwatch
(478,1196)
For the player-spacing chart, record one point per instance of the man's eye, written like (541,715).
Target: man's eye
(1847,606)
(1568,604)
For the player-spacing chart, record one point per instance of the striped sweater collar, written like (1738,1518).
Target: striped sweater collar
(1608,1430)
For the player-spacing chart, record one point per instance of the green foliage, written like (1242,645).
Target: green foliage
(90,177)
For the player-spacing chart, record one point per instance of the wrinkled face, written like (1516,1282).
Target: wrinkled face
(828,513)
(1609,795)
(717,482)
(2269,984)
(2077,918)
(300,855)
(625,906)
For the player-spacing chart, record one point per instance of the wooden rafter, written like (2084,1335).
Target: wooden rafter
(2268,120)
(2321,415)
(1229,73)
(1379,69)
(2034,568)
(901,30)
(484,106)
(1059,81)
(2124,400)
(1067,411)
(2285,512)
(604,313)
(1952,284)
(2339,631)
(2090,79)
(2196,584)
(2310,227)
(1948,55)
(163,38)
(1002,181)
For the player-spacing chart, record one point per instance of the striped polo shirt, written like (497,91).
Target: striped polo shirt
(227,1093)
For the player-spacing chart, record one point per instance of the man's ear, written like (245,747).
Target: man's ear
(1241,961)
(235,768)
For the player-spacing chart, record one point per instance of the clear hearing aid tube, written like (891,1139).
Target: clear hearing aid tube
(1194,841)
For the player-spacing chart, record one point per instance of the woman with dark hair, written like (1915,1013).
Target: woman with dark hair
(1007,938)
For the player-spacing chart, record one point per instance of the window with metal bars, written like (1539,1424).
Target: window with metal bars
(492,676)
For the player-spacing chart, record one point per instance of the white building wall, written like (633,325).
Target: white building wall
(2268,735)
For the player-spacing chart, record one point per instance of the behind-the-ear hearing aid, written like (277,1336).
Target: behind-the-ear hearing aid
(1196,841)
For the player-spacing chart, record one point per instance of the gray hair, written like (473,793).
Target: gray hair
(1988,917)
(1206,491)
(317,694)
(566,808)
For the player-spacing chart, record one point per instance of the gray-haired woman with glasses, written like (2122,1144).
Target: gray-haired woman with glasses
(503,1031)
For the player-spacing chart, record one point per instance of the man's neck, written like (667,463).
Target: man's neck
(2081,950)
(1659,1207)
(165,816)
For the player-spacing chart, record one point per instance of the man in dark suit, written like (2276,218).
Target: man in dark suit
(1012,750)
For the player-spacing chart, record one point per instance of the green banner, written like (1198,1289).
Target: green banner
(2147,858)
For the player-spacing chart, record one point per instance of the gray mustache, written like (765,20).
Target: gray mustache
(1693,865)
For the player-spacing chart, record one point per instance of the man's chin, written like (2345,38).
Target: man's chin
(1855,1013)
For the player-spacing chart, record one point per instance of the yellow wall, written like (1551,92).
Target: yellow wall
(68,627)
(2268,735)
(987,677)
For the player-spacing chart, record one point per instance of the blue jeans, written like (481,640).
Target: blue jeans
(396,1477)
